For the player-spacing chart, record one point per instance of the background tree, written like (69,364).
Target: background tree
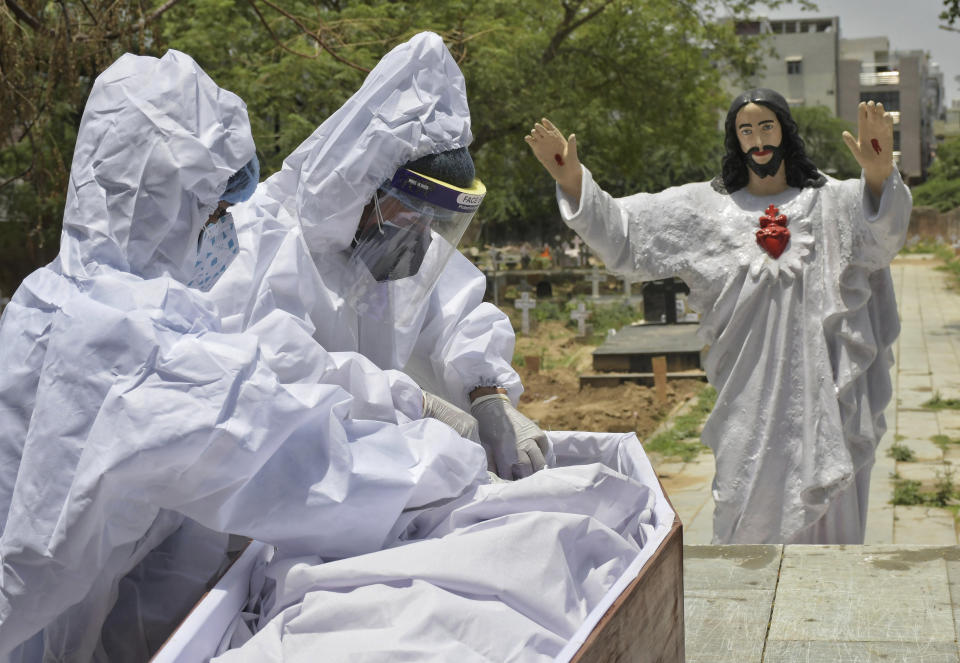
(638,80)
(50,52)
(822,135)
(942,187)
(950,14)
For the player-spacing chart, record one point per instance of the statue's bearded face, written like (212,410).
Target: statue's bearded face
(760,135)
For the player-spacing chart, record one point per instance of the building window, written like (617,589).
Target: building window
(794,66)
(890,100)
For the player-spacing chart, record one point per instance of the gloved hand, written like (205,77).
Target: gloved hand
(435,407)
(517,445)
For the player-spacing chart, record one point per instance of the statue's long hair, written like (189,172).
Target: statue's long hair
(800,170)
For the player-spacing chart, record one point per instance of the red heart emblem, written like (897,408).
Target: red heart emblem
(773,239)
(773,235)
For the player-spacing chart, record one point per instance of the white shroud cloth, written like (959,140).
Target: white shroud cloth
(513,571)
(799,346)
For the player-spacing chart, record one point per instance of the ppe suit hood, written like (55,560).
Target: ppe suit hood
(157,143)
(412,104)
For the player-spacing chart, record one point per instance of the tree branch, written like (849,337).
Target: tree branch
(315,37)
(568,26)
(274,36)
(25,16)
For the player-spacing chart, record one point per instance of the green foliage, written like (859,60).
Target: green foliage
(901,452)
(681,440)
(917,244)
(548,310)
(906,492)
(608,316)
(638,80)
(942,187)
(822,135)
(940,403)
(951,12)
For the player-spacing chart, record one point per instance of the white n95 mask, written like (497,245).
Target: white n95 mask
(217,248)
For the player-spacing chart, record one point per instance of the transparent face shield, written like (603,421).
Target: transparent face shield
(404,240)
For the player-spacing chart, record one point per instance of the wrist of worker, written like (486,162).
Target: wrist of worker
(486,391)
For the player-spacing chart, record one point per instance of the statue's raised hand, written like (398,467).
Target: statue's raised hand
(873,146)
(558,155)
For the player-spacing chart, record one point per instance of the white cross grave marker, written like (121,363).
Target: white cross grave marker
(525,303)
(580,315)
(594,277)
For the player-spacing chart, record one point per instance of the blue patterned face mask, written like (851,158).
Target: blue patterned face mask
(217,249)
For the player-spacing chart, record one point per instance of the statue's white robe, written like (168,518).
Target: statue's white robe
(799,347)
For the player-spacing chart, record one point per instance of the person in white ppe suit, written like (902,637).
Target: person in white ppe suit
(356,236)
(126,407)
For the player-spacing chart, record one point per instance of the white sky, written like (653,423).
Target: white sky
(909,24)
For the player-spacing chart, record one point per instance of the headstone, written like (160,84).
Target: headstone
(660,300)
(595,278)
(525,303)
(580,315)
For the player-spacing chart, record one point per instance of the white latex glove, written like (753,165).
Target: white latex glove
(517,445)
(435,407)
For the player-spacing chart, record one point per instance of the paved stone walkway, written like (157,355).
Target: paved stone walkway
(897,598)
(927,363)
(830,604)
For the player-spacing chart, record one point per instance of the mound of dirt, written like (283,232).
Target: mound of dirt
(555,401)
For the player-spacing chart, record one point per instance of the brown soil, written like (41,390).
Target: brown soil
(553,398)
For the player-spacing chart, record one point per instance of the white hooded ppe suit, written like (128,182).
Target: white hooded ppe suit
(124,405)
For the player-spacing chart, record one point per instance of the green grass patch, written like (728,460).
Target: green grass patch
(682,439)
(906,492)
(900,452)
(940,403)
(944,441)
(925,245)
(670,445)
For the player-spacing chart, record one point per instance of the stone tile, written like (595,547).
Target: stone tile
(727,627)
(862,594)
(688,504)
(952,556)
(702,468)
(952,454)
(860,652)
(700,529)
(925,473)
(880,523)
(666,469)
(921,525)
(731,567)
(917,424)
(949,422)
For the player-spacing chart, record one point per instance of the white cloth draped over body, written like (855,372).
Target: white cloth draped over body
(138,422)
(799,347)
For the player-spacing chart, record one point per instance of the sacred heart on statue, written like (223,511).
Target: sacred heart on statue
(773,235)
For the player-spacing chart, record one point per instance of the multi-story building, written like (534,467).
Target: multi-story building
(802,62)
(811,65)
